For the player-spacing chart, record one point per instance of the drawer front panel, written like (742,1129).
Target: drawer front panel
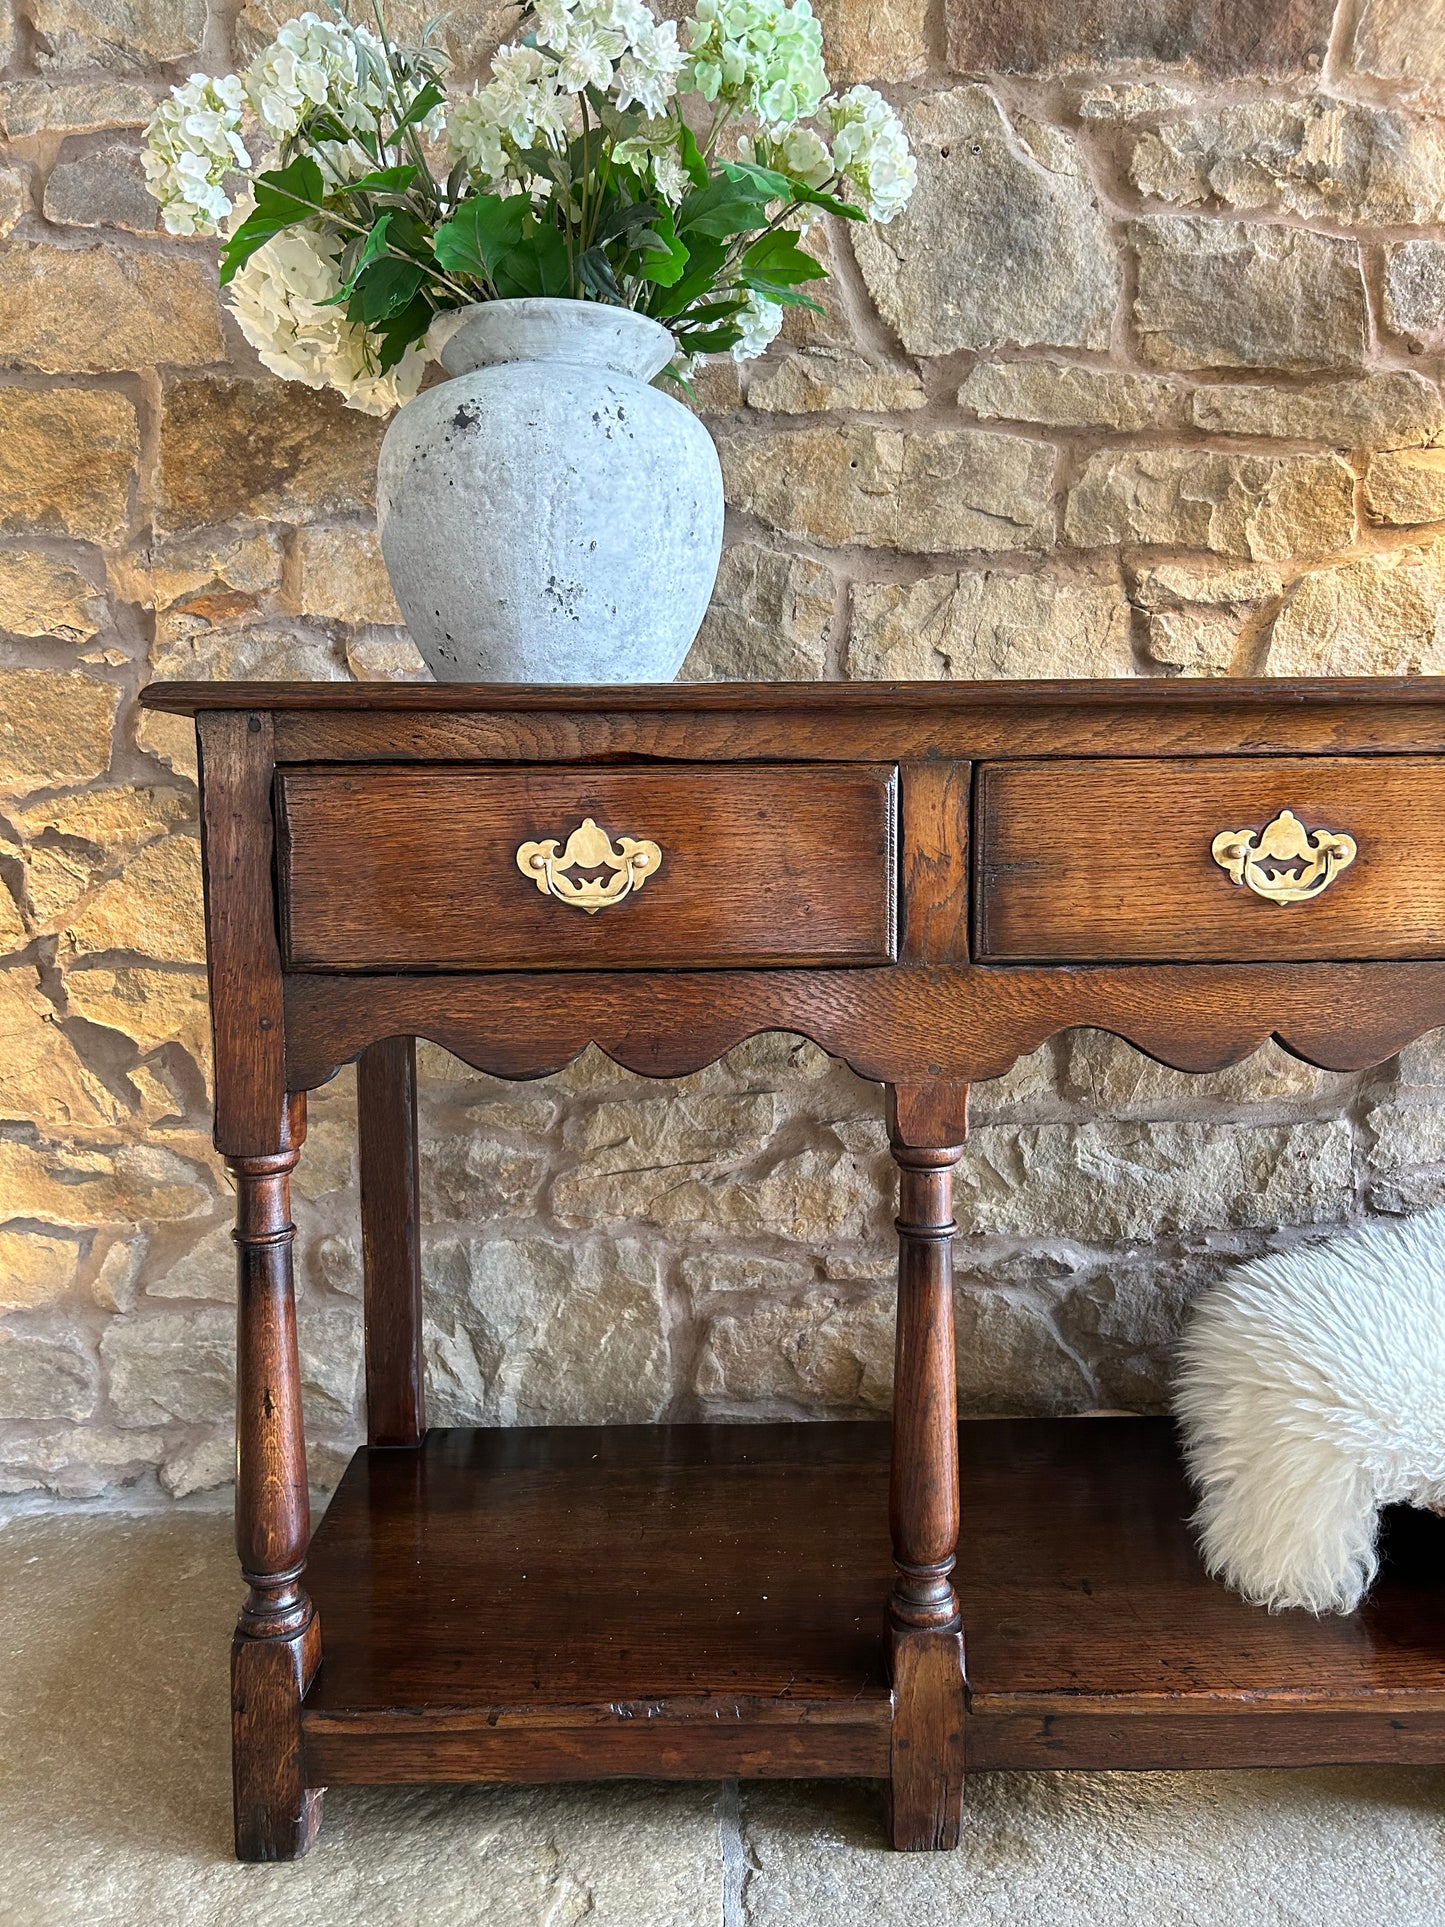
(686,867)
(1135,861)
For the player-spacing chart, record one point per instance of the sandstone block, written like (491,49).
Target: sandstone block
(35,1269)
(207,1271)
(1407,1155)
(202,1466)
(74,843)
(529,1332)
(1109,1076)
(42,1377)
(1261,506)
(66,461)
(770,619)
(1239,294)
(824,1355)
(54,729)
(83,1463)
(979,624)
(125,36)
(1176,585)
(1415,291)
(1386,410)
(128,1184)
(1102,1181)
(40,596)
(825,378)
(14,197)
(1381,616)
(152,908)
(102,187)
(339,573)
(189,645)
(180,1366)
(45,1082)
(933,493)
(1011,1358)
(473,1177)
(385,655)
(13,932)
(1193,642)
(262,450)
(813,1195)
(1321,159)
(207,570)
(1131,100)
(85,103)
(1003,242)
(1401,40)
(705,1272)
(1407,488)
(1063,397)
(867,42)
(151,1007)
(157,307)
(1228,39)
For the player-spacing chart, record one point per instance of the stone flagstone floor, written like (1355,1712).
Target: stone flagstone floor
(114,1806)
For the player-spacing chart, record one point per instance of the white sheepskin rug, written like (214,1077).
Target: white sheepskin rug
(1311,1392)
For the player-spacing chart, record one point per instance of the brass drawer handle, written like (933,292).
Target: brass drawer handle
(632,862)
(1284,862)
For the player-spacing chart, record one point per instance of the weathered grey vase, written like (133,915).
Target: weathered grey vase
(546,516)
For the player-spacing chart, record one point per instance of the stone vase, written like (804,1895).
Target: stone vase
(546,515)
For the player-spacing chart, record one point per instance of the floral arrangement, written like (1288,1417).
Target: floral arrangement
(606,159)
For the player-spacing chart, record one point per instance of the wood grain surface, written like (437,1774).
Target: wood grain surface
(1086,862)
(392,869)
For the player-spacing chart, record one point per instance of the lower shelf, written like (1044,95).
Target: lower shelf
(691,1601)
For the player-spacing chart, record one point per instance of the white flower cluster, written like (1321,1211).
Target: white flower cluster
(313,63)
(278,298)
(655,145)
(764,56)
(192,143)
(759,321)
(616,46)
(870,149)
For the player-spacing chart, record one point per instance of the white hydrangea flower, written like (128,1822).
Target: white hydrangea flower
(760,322)
(192,142)
(647,74)
(474,138)
(870,150)
(803,155)
(278,298)
(312,62)
(765,56)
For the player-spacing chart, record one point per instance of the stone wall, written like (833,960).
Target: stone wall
(1145,383)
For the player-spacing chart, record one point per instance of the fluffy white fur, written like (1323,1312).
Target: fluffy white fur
(1311,1391)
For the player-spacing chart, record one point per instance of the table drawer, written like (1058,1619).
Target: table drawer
(1140,861)
(586,868)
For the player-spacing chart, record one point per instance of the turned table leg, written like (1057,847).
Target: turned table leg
(390,1241)
(926,1126)
(278,1637)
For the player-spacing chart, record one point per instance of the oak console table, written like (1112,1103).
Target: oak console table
(927,881)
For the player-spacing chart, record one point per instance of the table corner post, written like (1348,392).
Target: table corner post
(927,1126)
(277,1644)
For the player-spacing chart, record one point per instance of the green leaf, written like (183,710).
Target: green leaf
(386,180)
(430,96)
(372,249)
(480,234)
(705,260)
(767,184)
(396,334)
(283,197)
(539,265)
(725,206)
(664,256)
(690,154)
(778,256)
(713,342)
(806,196)
(594,271)
(385,288)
